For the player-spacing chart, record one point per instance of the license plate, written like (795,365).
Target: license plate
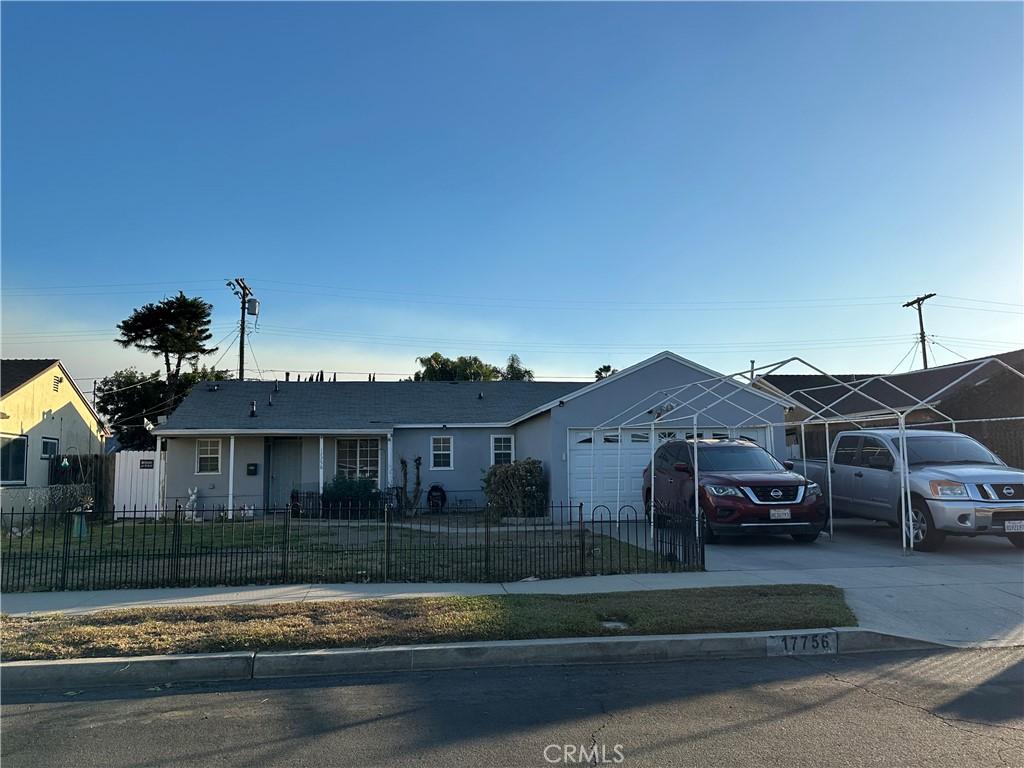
(802,644)
(781,514)
(1014,526)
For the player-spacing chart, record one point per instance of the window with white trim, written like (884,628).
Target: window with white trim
(13,459)
(51,447)
(359,457)
(503,449)
(442,452)
(208,456)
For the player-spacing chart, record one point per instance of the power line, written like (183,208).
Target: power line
(909,353)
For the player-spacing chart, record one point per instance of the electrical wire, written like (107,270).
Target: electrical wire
(253,353)
(909,353)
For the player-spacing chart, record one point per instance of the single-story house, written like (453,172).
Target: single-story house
(955,390)
(251,443)
(43,414)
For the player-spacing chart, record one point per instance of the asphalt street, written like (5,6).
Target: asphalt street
(957,708)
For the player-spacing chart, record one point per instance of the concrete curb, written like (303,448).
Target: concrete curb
(133,670)
(216,667)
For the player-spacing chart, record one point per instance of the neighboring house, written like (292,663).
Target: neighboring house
(992,392)
(253,443)
(42,414)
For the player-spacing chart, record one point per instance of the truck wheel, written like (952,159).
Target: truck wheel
(925,536)
(1017,539)
(805,538)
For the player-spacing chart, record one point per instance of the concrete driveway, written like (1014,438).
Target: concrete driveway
(971,592)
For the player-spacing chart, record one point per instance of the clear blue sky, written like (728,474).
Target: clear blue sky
(577,183)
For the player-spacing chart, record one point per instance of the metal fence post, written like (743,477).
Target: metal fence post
(285,543)
(487,544)
(387,541)
(65,560)
(583,545)
(176,547)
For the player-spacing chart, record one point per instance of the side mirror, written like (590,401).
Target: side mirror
(788,464)
(680,467)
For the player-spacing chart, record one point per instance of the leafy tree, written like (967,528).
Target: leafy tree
(437,367)
(176,329)
(514,370)
(604,372)
(128,398)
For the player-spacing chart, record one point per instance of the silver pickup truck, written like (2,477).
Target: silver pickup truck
(957,485)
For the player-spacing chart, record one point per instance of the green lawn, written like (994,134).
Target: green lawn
(112,555)
(371,623)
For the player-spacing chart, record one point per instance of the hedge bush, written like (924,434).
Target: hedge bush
(518,489)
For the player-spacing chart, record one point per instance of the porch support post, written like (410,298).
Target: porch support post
(390,459)
(231,477)
(320,466)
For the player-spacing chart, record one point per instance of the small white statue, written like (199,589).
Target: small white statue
(190,505)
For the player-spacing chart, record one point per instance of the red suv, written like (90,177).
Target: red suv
(743,489)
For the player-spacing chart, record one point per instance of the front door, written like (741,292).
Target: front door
(285,469)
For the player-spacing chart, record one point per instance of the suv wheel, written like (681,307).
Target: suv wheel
(1017,539)
(925,536)
(709,536)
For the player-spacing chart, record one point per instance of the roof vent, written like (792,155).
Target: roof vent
(252,408)
(270,400)
(213,387)
(480,396)
(277,386)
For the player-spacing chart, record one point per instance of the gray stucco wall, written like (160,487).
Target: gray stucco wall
(471,454)
(180,473)
(609,400)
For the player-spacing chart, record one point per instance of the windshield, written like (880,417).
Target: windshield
(736,458)
(942,449)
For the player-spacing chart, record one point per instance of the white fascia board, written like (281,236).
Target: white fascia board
(267,432)
(452,425)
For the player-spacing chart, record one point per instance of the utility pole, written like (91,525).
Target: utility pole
(241,289)
(917,304)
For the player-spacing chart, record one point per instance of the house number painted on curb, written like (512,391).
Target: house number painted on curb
(810,644)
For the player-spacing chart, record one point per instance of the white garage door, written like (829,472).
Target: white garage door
(607,475)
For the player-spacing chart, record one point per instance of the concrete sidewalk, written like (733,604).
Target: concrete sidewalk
(954,605)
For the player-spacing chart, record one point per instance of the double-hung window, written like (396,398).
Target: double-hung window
(442,453)
(503,449)
(13,458)
(208,456)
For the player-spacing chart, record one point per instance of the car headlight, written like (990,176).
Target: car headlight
(723,490)
(813,489)
(948,489)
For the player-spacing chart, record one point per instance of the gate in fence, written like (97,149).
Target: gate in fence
(48,550)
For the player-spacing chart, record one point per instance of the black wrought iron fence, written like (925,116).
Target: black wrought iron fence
(49,550)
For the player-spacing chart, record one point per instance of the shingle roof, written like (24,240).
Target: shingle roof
(790,382)
(932,385)
(15,372)
(344,405)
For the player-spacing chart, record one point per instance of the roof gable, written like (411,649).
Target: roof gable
(15,373)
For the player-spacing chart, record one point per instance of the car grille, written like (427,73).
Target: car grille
(1002,491)
(787,493)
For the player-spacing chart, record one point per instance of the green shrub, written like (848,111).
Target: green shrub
(518,489)
(345,492)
